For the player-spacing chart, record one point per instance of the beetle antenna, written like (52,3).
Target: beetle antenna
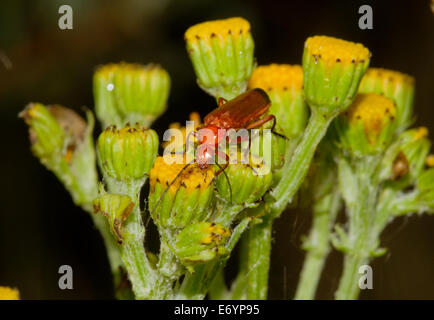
(280,135)
(169,185)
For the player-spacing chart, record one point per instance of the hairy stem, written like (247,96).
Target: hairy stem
(295,170)
(318,245)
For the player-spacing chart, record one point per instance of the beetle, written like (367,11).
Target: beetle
(245,111)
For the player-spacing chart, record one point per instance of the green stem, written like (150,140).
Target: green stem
(259,259)
(318,245)
(349,284)
(295,170)
(362,239)
(140,271)
(84,199)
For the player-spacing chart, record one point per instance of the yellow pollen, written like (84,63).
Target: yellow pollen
(333,50)
(387,76)
(7,293)
(191,178)
(430,160)
(131,68)
(373,110)
(195,117)
(207,240)
(421,133)
(218,28)
(34,109)
(279,77)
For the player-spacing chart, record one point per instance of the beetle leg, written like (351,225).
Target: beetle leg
(187,139)
(223,155)
(264,120)
(260,122)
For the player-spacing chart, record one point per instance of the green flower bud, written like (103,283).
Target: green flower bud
(116,208)
(130,93)
(283,84)
(248,182)
(46,134)
(368,126)
(406,157)
(261,143)
(222,55)
(396,86)
(188,198)
(332,71)
(63,141)
(127,154)
(200,242)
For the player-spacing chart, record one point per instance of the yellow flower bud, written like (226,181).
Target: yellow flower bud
(7,293)
(188,196)
(368,125)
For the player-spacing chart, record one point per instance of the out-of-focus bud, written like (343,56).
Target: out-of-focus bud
(284,85)
(247,181)
(127,154)
(130,93)
(368,126)
(46,134)
(405,158)
(429,161)
(222,55)
(116,208)
(7,293)
(63,141)
(180,195)
(396,86)
(425,187)
(332,70)
(200,242)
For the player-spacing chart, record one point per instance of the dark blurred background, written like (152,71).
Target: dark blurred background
(40,228)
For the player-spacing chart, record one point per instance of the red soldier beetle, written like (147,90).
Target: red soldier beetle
(243,112)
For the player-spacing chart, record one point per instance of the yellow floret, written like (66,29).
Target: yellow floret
(332,50)
(373,74)
(191,178)
(421,133)
(7,293)
(430,160)
(218,28)
(132,69)
(279,77)
(373,110)
(195,117)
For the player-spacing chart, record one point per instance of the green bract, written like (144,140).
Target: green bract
(394,85)
(200,242)
(222,55)
(128,153)
(332,70)
(130,93)
(248,182)
(368,126)
(187,200)
(116,208)
(46,134)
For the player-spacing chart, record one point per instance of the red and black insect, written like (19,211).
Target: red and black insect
(245,111)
